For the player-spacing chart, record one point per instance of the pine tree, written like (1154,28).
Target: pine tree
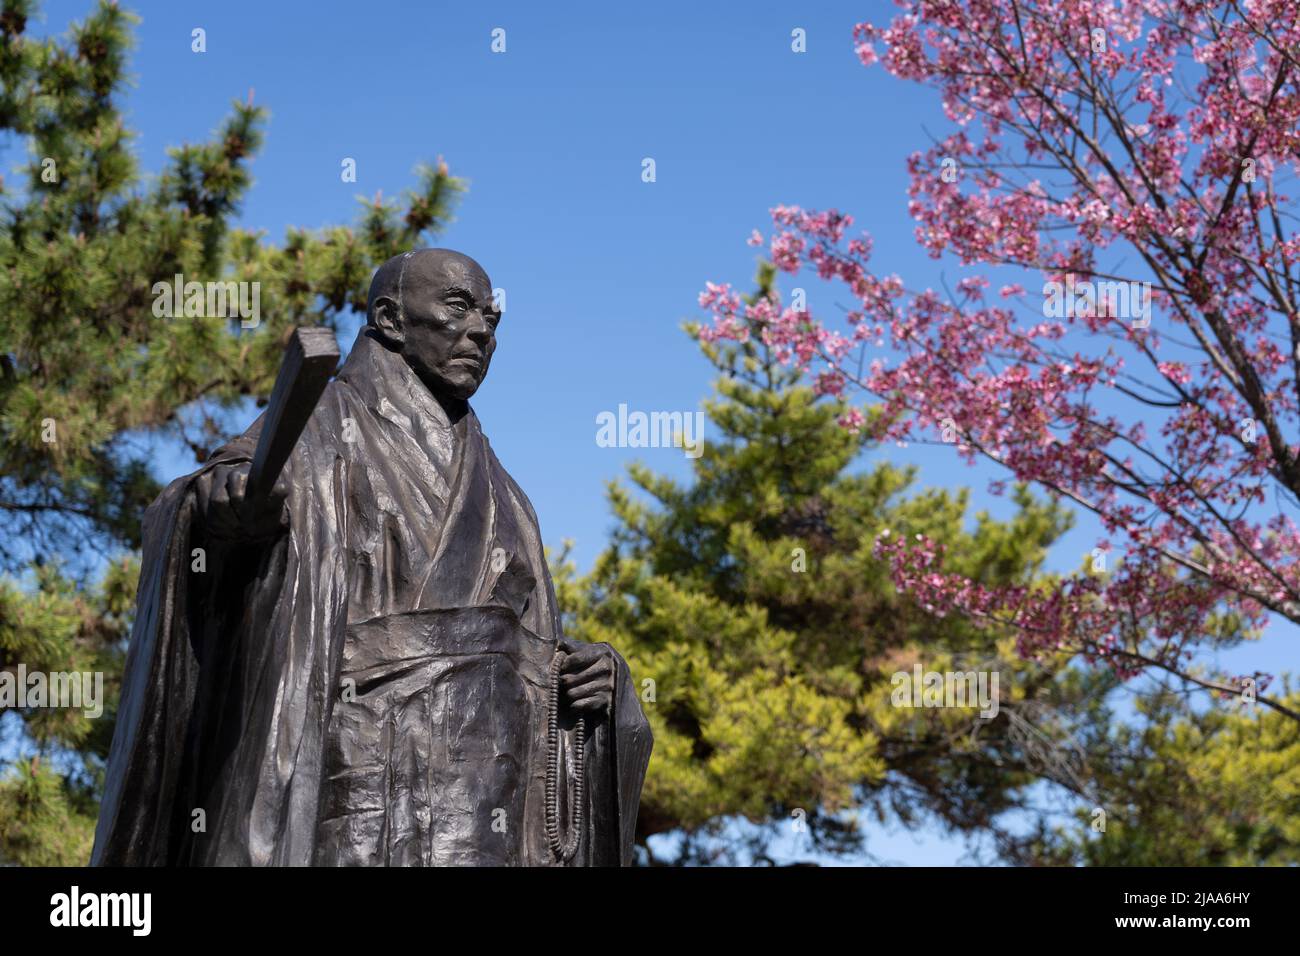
(92,378)
(754,605)
(1183,786)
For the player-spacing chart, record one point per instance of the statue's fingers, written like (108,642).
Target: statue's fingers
(588,703)
(581,667)
(598,686)
(237,483)
(599,671)
(577,660)
(237,487)
(587,690)
(218,512)
(203,492)
(218,495)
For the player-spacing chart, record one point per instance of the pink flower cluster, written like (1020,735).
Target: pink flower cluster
(1135,142)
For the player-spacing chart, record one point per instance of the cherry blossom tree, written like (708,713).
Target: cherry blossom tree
(1133,157)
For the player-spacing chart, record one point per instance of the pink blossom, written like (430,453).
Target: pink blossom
(1169,409)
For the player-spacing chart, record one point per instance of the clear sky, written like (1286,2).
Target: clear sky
(599,267)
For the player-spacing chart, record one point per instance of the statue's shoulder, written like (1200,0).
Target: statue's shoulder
(339,401)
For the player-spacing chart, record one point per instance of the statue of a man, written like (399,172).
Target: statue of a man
(366,666)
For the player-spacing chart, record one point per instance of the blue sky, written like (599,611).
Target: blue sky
(599,267)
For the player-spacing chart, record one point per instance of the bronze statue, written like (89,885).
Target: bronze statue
(361,661)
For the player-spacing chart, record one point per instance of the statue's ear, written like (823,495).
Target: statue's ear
(388,321)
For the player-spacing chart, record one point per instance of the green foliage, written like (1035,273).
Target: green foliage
(84,239)
(46,819)
(1180,787)
(47,815)
(79,259)
(753,600)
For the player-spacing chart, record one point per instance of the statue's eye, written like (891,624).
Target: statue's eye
(460,305)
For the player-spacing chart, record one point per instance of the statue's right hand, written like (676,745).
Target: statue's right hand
(229,515)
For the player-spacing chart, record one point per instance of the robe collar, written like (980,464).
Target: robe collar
(392,390)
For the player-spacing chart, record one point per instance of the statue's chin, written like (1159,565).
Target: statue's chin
(458,388)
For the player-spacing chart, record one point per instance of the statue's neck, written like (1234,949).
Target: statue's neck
(374,369)
(456,408)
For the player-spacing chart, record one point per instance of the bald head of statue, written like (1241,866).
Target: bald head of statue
(434,307)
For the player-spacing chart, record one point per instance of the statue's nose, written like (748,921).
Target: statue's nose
(479,331)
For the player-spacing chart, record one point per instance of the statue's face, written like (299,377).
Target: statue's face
(447,323)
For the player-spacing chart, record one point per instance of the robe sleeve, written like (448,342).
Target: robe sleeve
(630,742)
(623,745)
(138,812)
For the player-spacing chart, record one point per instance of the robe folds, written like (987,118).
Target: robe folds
(371,686)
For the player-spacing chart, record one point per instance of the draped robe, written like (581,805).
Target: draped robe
(369,687)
